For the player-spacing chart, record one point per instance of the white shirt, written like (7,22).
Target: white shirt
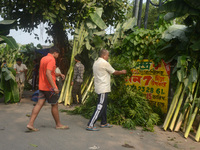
(57,71)
(102,71)
(20,76)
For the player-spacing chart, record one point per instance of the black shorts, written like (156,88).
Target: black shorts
(50,96)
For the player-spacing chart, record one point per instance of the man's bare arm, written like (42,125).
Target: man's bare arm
(50,79)
(119,72)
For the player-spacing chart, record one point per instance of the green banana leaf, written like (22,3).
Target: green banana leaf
(129,24)
(8,86)
(9,40)
(98,21)
(175,31)
(180,8)
(5,26)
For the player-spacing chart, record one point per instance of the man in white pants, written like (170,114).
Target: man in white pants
(102,71)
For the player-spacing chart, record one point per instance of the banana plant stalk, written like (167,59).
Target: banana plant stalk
(191,122)
(77,45)
(88,89)
(186,118)
(85,84)
(181,117)
(173,105)
(177,110)
(198,134)
(192,117)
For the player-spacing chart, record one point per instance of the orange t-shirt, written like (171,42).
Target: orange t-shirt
(47,63)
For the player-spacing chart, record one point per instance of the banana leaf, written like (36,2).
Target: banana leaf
(9,40)
(175,31)
(8,86)
(98,21)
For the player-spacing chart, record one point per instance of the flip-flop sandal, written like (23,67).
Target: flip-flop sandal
(92,129)
(106,126)
(62,128)
(32,129)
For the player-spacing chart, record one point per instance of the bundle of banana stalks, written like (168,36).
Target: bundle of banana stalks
(185,104)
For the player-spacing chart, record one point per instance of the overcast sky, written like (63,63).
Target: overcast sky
(25,38)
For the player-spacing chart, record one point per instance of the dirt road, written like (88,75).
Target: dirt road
(14,135)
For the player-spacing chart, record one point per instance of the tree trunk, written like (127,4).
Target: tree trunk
(135,9)
(60,39)
(146,14)
(140,14)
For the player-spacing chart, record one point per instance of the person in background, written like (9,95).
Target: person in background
(102,71)
(35,74)
(59,78)
(77,80)
(48,89)
(21,71)
(4,64)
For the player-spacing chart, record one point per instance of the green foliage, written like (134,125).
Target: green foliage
(9,54)
(140,44)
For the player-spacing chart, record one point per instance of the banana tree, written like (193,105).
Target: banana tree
(183,47)
(8,85)
(5,26)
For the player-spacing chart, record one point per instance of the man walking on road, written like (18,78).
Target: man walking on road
(102,71)
(47,89)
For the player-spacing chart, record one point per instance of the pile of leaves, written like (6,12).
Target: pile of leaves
(126,106)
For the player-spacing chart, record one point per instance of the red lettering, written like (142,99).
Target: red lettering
(158,66)
(147,78)
(149,96)
(136,78)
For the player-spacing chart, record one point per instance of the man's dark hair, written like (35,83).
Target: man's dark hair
(4,61)
(54,49)
(78,57)
(19,59)
(103,52)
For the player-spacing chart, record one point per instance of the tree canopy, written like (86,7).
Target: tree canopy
(30,13)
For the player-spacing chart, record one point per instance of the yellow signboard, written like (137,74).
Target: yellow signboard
(152,81)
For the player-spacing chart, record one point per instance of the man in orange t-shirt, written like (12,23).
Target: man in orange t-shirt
(48,89)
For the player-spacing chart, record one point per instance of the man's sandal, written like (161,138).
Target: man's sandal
(92,129)
(32,129)
(62,128)
(106,126)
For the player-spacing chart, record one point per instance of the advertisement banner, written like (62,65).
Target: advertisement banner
(152,80)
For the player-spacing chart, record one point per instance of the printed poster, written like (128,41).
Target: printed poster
(152,81)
